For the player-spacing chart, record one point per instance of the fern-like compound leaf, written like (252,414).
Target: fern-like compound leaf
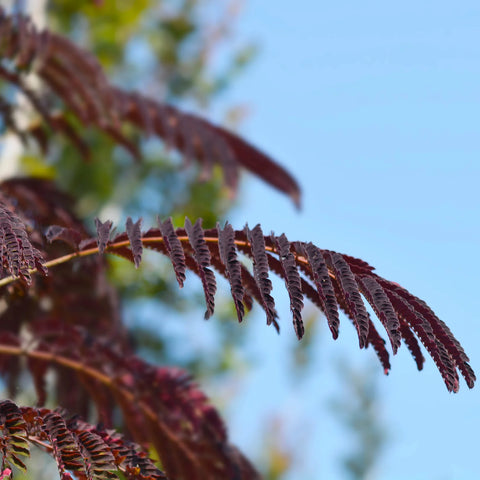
(174,249)
(350,293)
(411,342)
(67,235)
(13,443)
(329,279)
(425,333)
(103,234)
(99,461)
(203,260)
(160,406)
(443,333)
(292,280)
(76,81)
(261,269)
(321,277)
(383,308)
(228,256)
(17,254)
(378,343)
(65,448)
(135,237)
(78,448)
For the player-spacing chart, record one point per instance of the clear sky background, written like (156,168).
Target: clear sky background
(375,107)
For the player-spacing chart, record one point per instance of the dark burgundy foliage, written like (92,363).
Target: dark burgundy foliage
(378,344)
(17,255)
(88,452)
(423,329)
(161,406)
(330,280)
(78,293)
(352,300)
(260,270)
(202,257)
(135,237)
(292,281)
(228,256)
(78,85)
(383,308)
(103,234)
(174,249)
(321,277)
(67,235)
(69,322)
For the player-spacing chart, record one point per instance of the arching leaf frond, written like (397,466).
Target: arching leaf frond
(75,81)
(17,254)
(320,275)
(79,449)
(161,407)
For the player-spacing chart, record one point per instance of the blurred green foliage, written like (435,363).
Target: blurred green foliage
(358,409)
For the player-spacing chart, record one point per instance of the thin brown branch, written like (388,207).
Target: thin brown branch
(117,245)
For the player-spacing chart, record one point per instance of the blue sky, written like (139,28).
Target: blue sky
(374,105)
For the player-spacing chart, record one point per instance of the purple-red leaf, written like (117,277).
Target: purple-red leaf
(103,234)
(442,333)
(68,235)
(324,285)
(378,344)
(423,330)
(260,270)
(202,257)
(174,249)
(135,237)
(412,344)
(228,256)
(351,295)
(78,85)
(17,255)
(292,281)
(382,307)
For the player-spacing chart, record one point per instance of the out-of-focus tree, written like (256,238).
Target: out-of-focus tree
(358,408)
